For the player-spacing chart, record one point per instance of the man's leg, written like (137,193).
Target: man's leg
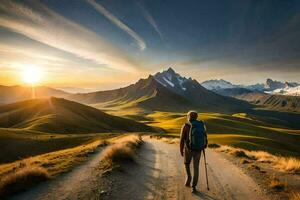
(196,161)
(187,161)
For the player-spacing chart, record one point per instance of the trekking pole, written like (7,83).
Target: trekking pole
(205,163)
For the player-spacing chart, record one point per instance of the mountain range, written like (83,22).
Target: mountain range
(169,91)
(271,101)
(273,95)
(270,86)
(164,91)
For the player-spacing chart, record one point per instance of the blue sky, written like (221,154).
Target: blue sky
(108,43)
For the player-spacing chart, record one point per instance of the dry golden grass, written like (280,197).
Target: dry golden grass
(226,149)
(171,140)
(276,184)
(294,196)
(288,164)
(213,145)
(244,161)
(54,162)
(254,167)
(121,151)
(284,164)
(20,175)
(22,179)
(239,153)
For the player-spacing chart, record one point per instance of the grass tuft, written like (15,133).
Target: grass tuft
(294,196)
(288,164)
(239,153)
(276,184)
(255,167)
(284,164)
(121,152)
(22,180)
(214,145)
(244,161)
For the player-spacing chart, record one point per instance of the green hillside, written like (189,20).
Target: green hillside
(19,143)
(57,115)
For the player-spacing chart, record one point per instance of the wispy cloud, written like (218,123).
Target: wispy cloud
(46,26)
(150,19)
(140,42)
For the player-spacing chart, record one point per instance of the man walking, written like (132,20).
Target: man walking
(193,140)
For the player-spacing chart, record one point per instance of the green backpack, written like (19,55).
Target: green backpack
(197,135)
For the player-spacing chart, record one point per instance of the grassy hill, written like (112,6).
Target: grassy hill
(11,94)
(19,143)
(56,115)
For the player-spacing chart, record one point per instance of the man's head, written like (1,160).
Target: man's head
(192,115)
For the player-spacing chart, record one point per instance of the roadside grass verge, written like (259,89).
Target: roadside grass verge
(33,143)
(120,152)
(213,145)
(22,179)
(276,184)
(288,164)
(21,175)
(284,164)
(294,196)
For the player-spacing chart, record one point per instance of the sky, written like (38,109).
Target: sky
(106,44)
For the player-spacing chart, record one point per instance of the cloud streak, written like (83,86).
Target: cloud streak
(140,42)
(46,26)
(149,19)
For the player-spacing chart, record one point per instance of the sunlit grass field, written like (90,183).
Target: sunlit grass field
(238,130)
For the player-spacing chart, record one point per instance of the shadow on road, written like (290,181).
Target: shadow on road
(204,196)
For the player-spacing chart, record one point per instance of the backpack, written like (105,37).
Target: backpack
(197,135)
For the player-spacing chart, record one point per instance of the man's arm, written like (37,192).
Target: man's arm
(182,139)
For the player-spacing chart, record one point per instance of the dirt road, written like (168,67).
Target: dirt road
(158,174)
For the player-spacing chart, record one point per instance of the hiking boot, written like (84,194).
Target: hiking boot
(194,190)
(187,184)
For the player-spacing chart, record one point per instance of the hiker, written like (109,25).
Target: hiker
(193,140)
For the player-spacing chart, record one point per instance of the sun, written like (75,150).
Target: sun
(31,75)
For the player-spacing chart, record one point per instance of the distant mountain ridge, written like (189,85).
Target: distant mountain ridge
(271,86)
(273,95)
(10,94)
(273,102)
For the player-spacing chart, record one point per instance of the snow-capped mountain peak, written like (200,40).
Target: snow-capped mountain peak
(170,79)
(288,90)
(217,84)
